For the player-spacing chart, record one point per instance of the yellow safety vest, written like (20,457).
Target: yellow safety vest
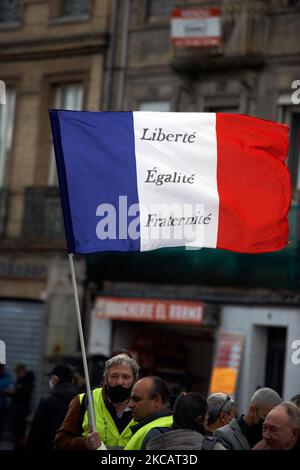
(137,439)
(105,425)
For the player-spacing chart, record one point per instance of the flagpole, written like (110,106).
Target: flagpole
(91,412)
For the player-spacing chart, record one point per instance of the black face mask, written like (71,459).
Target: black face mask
(257,429)
(118,394)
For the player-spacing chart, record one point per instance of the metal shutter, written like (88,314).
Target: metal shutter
(22,330)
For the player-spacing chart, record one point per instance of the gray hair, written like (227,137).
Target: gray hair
(293,412)
(218,402)
(265,397)
(122,360)
(296,400)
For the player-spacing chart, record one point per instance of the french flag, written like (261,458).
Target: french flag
(138,181)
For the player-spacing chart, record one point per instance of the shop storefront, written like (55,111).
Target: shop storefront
(171,338)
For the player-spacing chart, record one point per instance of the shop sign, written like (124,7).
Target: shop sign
(100,336)
(195,27)
(227,363)
(149,310)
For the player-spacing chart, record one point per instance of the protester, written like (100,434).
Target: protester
(112,415)
(188,429)
(52,409)
(6,385)
(221,410)
(281,429)
(246,431)
(149,404)
(21,397)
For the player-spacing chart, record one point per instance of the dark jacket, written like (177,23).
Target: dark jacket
(49,415)
(21,398)
(5,384)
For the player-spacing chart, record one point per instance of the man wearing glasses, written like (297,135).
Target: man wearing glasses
(221,410)
(243,433)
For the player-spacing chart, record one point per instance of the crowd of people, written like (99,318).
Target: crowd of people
(15,401)
(133,413)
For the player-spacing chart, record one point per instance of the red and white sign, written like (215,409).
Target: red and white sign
(196,27)
(149,310)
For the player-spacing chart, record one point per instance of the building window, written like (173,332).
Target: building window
(160,8)
(155,106)
(68,96)
(7,112)
(221,109)
(9,11)
(74,7)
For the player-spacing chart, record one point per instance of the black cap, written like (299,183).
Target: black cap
(63,372)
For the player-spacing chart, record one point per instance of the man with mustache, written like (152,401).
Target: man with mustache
(112,415)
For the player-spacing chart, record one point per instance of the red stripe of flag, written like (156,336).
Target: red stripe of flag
(253,183)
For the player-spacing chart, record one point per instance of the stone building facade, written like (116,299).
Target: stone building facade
(52,54)
(254,70)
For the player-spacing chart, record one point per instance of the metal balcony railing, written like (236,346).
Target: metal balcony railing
(75,7)
(9,11)
(42,217)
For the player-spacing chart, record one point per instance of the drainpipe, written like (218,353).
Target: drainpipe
(110,57)
(123,56)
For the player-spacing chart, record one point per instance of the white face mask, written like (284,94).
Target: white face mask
(51,384)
